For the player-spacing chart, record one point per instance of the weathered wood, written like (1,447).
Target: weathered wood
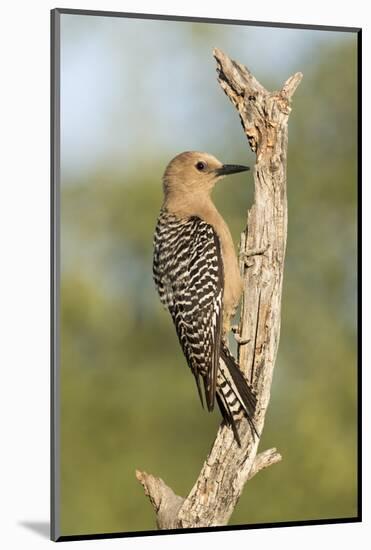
(167,504)
(264,116)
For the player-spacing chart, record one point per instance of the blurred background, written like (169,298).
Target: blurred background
(134,93)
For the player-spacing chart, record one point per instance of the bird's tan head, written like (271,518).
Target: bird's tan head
(195,173)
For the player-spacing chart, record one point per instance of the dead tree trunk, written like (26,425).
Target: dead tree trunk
(264,116)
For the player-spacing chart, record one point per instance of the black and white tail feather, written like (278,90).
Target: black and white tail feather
(234,396)
(189,277)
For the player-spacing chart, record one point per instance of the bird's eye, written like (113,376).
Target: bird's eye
(201,166)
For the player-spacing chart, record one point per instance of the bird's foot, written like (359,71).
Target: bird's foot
(240,341)
(245,255)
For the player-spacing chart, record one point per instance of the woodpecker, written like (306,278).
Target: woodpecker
(196,273)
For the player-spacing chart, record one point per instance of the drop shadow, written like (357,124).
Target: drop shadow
(42,528)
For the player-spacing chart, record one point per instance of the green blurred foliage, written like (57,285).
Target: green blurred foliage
(127,398)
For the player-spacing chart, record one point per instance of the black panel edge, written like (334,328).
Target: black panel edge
(54,270)
(192,19)
(65,538)
(359,270)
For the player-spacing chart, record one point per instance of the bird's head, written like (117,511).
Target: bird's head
(195,173)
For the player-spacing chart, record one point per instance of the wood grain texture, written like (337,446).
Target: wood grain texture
(264,117)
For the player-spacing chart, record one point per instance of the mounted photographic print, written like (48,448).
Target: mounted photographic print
(204,274)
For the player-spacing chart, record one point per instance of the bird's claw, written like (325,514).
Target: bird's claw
(240,341)
(253,252)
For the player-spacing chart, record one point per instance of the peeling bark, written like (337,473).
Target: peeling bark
(264,117)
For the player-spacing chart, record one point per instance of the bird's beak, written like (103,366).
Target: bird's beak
(227,169)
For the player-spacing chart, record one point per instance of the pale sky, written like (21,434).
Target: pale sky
(130,85)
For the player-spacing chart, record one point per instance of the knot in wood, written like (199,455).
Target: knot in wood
(275,163)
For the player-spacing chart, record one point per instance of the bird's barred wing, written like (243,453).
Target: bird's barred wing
(166,250)
(192,288)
